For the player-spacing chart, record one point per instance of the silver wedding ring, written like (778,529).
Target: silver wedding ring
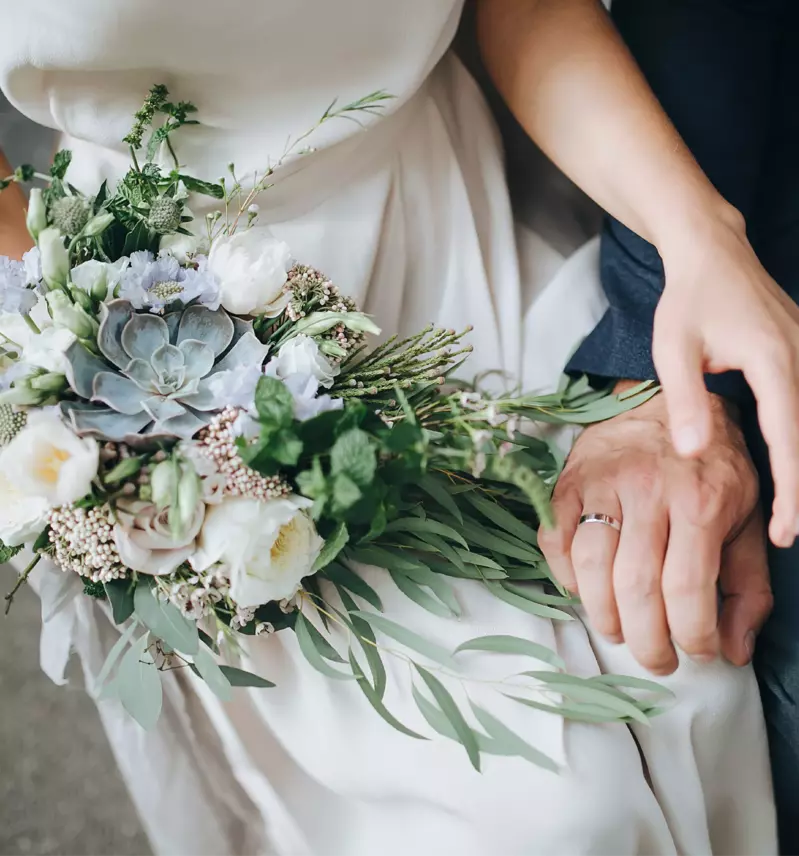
(604,519)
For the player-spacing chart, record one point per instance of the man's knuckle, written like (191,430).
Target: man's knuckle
(636,583)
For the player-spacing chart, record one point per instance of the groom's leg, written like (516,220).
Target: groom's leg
(776,236)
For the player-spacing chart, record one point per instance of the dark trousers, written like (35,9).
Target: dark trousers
(727,73)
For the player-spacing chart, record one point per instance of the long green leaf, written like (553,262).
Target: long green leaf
(440,588)
(213,675)
(240,678)
(322,645)
(634,683)
(138,684)
(534,593)
(415,524)
(435,488)
(312,654)
(511,741)
(501,517)
(525,604)
(376,700)
(513,645)
(366,639)
(418,595)
(113,656)
(408,638)
(576,712)
(120,596)
(165,621)
(347,578)
(504,544)
(448,707)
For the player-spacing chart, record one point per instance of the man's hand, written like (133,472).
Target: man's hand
(687,525)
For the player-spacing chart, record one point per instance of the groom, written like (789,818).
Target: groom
(727,73)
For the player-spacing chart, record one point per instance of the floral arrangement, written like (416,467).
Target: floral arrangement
(195,424)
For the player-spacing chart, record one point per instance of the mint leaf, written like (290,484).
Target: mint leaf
(274,402)
(354,456)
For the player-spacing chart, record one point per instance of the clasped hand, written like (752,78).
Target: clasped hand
(691,528)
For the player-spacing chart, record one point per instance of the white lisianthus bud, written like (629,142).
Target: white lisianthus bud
(55,259)
(164,481)
(37,214)
(97,225)
(189,492)
(70,316)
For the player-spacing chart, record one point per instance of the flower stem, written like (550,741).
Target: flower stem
(31,323)
(23,578)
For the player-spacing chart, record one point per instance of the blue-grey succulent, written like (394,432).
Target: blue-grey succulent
(158,377)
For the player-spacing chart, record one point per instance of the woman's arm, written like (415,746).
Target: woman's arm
(572,84)
(14,237)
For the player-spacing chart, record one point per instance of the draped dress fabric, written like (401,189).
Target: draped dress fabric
(411,217)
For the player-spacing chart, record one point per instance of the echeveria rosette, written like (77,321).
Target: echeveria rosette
(155,378)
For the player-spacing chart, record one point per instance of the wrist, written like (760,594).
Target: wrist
(704,225)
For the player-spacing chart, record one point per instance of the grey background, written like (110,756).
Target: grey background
(60,792)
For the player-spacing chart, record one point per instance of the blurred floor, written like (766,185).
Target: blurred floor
(60,791)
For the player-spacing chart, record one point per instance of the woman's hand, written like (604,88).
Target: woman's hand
(720,310)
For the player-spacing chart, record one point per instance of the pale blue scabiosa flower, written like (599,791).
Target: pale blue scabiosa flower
(153,283)
(15,296)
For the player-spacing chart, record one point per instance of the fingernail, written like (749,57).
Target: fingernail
(749,643)
(687,440)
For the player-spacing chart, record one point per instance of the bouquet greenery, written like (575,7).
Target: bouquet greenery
(195,424)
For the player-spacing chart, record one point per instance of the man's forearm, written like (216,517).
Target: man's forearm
(571,82)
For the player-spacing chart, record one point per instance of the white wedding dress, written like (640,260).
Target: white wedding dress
(411,217)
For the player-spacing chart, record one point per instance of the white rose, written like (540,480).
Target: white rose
(144,539)
(54,257)
(267,547)
(46,460)
(251,267)
(47,349)
(301,356)
(21,517)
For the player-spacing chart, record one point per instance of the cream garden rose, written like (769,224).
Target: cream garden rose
(251,267)
(267,547)
(21,517)
(48,462)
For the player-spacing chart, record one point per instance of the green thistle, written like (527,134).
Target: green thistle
(165,215)
(70,214)
(11,423)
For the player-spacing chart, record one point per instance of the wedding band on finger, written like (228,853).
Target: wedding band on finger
(603,519)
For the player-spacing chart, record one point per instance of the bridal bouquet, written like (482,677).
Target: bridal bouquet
(196,425)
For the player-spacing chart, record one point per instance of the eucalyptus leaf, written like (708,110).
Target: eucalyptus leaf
(414,524)
(345,577)
(114,655)
(513,645)
(576,712)
(120,596)
(510,741)
(436,489)
(240,678)
(501,517)
(526,604)
(634,683)
(366,638)
(418,595)
(450,709)
(213,675)
(138,684)
(312,654)
(164,619)
(408,638)
(376,700)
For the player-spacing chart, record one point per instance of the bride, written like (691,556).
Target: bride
(411,217)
